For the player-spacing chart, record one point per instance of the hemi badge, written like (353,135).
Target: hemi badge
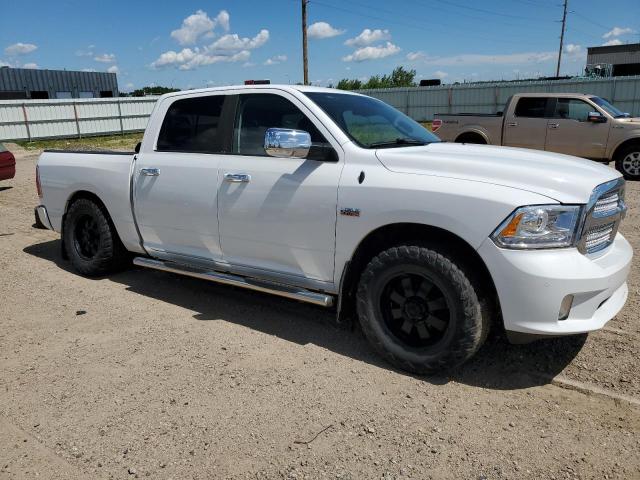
(350,212)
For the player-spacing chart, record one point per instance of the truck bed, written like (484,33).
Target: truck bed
(456,127)
(105,174)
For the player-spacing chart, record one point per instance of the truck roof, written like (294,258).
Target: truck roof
(554,94)
(289,88)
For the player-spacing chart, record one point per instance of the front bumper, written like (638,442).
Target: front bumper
(531,285)
(42,217)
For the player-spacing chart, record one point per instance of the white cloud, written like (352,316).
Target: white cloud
(113,69)
(199,25)
(188,59)
(372,53)
(88,52)
(367,37)
(617,32)
(415,56)
(573,49)
(276,60)
(440,74)
(105,58)
(478,59)
(128,87)
(89,70)
(320,30)
(234,42)
(248,64)
(227,48)
(31,66)
(611,43)
(4,64)
(20,49)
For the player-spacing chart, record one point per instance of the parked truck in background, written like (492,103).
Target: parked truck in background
(571,123)
(340,200)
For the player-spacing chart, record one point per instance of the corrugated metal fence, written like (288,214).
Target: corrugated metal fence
(33,119)
(422,103)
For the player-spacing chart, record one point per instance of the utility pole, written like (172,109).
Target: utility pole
(305,60)
(564,24)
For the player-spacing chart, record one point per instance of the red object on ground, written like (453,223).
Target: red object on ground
(7,164)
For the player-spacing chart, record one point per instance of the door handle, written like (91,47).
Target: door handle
(237,177)
(554,125)
(150,172)
(512,124)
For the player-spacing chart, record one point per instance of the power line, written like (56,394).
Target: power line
(439,25)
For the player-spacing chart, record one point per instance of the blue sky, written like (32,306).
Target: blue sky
(191,44)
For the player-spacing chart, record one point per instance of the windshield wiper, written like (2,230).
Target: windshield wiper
(397,141)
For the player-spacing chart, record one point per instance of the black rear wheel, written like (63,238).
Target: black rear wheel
(91,241)
(419,310)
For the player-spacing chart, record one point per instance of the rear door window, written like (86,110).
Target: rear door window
(192,125)
(531,107)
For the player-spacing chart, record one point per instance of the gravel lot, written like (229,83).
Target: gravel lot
(148,374)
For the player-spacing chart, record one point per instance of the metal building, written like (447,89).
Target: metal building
(616,60)
(23,83)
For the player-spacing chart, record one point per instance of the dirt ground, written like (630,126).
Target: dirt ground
(148,374)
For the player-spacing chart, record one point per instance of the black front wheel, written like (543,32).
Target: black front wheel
(419,310)
(628,162)
(91,240)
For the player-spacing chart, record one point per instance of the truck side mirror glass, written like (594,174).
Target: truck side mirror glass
(596,117)
(138,145)
(287,143)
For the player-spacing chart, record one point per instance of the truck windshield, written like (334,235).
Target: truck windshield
(607,107)
(371,123)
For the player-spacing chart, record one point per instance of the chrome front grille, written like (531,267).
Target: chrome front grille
(599,237)
(607,205)
(602,217)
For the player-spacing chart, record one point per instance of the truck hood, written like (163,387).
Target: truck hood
(563,178)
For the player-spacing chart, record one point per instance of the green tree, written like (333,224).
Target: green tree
(156,90)
(400,77)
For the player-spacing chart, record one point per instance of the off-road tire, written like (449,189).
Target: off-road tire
(110,255)
(469,320)
(620,160)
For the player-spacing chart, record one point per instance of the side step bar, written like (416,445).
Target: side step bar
(300,294)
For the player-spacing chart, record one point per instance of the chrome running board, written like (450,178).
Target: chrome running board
(322,299)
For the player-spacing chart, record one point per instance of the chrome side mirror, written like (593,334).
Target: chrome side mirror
(596,117)
(287,143)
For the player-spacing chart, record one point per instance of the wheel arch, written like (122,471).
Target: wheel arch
(395,234)
(74,197)
(624,144)
(472,134)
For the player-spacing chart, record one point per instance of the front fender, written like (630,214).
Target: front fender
(468,209)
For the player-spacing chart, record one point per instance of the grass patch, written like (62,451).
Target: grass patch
(127,141)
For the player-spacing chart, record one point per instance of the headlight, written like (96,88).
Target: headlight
(539,226)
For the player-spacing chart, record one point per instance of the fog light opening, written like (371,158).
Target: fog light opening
(565,307)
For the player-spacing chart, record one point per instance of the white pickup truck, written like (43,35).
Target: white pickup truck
(338,199)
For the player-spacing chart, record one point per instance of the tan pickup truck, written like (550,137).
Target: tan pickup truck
(571,123)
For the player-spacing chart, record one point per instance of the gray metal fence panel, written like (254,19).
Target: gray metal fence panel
(31,119)
(39,119)
(422,103)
